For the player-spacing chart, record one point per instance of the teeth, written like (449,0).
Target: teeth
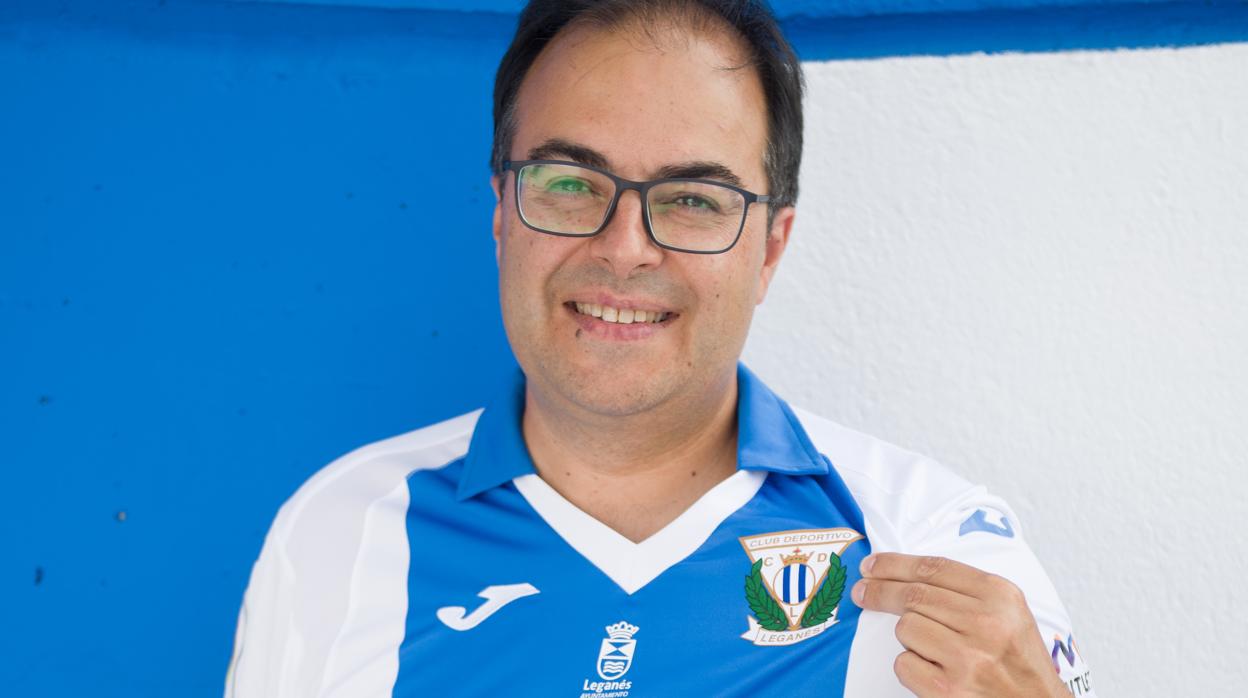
(623,317)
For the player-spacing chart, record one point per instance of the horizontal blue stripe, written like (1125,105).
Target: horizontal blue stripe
(826,37)
(782,8)
(1034,30)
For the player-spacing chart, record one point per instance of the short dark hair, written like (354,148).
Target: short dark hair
(777,65)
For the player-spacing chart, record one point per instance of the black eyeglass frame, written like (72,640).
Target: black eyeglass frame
(642,188)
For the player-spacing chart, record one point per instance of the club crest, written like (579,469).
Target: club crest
(616,654)
(795,583)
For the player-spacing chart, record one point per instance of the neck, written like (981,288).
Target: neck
(635,473)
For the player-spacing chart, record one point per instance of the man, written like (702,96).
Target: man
(637,514)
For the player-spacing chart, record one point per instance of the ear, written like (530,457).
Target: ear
(781,227)
(497,185)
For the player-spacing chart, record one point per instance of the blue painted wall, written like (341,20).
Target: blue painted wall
(238,239)
(235,242)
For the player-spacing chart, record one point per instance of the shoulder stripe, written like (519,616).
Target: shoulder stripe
(427,448)
(326,604)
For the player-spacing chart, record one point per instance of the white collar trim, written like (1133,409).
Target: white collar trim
(634,565)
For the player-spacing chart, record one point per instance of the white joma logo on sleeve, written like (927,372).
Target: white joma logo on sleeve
(495,598)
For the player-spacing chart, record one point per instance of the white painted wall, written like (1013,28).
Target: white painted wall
(1034,268)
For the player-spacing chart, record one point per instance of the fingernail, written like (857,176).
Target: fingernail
(867,563)
(857,592)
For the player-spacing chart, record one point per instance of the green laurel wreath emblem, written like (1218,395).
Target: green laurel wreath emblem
(765,608)
(828,596)
(769,613)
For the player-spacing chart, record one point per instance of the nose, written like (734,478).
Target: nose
(623,244)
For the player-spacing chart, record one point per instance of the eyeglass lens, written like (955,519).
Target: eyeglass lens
(573,200)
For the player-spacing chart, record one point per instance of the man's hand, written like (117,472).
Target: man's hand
(966,632)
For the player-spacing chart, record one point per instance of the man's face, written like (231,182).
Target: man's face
(641,108)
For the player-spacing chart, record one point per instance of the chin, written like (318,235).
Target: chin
(616,391)
(617,405)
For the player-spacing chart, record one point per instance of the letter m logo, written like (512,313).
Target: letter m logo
(1066,649)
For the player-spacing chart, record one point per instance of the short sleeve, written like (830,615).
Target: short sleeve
(981,530)
(266,645)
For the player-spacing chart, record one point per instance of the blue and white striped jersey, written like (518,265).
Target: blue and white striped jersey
(438,562)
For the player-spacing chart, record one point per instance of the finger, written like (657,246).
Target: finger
(949,608)
(922,677)
(927,638)
(936,571)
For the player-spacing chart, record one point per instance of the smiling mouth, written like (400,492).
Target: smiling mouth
(620,316)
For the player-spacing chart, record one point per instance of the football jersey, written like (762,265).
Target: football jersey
(438,562)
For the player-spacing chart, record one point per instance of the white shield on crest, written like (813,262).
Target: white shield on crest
(795,563)
(616,654)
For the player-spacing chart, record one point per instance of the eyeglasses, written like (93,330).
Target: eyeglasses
(701,216)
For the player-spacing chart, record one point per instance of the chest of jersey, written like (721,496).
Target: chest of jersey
(500,603)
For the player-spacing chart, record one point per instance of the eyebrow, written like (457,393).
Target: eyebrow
(561,149)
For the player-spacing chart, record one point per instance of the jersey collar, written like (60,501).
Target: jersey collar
(769,437)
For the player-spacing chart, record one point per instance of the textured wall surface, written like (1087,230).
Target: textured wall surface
(238,239)
(1034,268)
(235,243)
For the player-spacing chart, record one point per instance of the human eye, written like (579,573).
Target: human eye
(569,185)
(694,201)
